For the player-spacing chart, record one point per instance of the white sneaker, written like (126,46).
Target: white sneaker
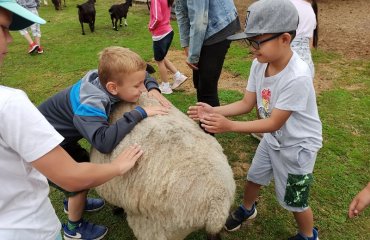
(165,88)
(178,80)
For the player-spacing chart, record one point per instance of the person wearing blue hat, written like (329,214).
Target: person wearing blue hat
(30,153)
(280,84)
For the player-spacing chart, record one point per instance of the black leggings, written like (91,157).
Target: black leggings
(210,66)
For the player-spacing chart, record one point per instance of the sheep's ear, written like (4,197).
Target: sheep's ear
(111,88)
(150,69)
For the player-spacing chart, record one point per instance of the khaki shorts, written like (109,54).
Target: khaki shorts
(291,169)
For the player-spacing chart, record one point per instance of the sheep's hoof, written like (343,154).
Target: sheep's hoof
(120,25)
(214,236)
(116,29)
(83,33)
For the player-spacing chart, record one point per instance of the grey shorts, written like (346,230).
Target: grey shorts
(291,169)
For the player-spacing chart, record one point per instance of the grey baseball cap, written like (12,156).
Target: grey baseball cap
(268,16)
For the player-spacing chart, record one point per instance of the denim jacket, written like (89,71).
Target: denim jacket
(200,19)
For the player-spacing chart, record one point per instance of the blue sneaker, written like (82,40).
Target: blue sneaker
(85,230)
(299,236)
(92,204)
(238,216)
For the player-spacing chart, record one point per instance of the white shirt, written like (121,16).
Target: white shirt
(290,90)
(307,18)
(25,135)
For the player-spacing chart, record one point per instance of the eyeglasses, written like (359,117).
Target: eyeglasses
(256,44)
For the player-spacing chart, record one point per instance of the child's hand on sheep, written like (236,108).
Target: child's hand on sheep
(127,159)
(216,123)
(156,110)
(200,111)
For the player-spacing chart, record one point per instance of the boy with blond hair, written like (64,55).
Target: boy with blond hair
(280,84)
(82,111)
(30,152)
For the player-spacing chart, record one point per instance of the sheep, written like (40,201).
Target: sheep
(86,14)
(119,11)
(58,4)
(182,183)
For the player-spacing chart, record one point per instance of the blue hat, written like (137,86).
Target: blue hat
(268,16)
(22,18)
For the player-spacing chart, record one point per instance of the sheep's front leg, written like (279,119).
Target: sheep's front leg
(115,24)
(82,26)
(112,22)
(120,22)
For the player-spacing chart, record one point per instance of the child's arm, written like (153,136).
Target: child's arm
(156,13)
(237,108)
(61,169)
(104,136)
(150,83)
(360,202)
(217,123)
(153,88)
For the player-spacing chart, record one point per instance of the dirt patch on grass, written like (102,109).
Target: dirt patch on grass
(343,26)
(227,80)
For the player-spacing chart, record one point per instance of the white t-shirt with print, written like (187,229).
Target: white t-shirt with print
(25,135)
(291,90)
(307,18)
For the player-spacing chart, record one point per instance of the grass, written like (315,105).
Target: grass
(342,167)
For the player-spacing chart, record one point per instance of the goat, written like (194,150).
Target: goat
(118,11)
(86,14)
(57,4)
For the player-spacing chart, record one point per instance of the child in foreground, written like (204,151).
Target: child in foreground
(280,84)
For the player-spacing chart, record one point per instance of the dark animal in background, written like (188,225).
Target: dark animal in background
(86,14)
(58,4)
(148,4)
(119,11)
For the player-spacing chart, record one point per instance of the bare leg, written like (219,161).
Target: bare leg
(76,206)
(170,66)
(251,191)
(305,222)
(162,70)
(37,40)
(28,38)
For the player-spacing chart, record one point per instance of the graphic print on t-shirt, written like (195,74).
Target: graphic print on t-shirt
(264,110)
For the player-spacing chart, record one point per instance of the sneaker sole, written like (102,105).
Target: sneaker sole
(95,210)
(72,238)
(238,227)
(180,83)
(33,49)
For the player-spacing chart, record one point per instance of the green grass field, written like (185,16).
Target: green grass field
(342,167)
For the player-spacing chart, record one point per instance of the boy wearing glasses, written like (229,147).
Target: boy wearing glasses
(280,84)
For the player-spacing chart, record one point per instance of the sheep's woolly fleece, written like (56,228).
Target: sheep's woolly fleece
(182,182)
